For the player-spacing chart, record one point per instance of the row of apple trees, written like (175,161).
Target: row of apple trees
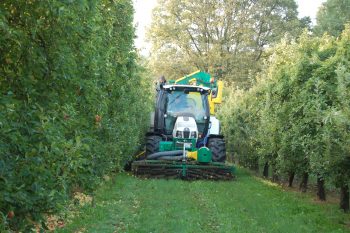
(72,102)
(296,118)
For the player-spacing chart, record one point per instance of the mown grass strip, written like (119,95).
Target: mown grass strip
(245,205)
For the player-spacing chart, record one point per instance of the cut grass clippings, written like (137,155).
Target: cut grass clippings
(248,204)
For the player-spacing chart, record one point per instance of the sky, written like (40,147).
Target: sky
(143,18)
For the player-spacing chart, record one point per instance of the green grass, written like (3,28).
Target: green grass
(245,205)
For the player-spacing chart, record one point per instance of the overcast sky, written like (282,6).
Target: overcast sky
(143,13)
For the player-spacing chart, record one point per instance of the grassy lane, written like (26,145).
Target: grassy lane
(245,205)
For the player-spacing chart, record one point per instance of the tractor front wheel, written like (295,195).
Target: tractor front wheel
(218,149)
(152,144)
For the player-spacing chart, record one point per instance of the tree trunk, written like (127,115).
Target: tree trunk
(275,177)
(304,181)
(321,192)
(93,201)
(266,170)
(291,179)
(344,198)
(255,166)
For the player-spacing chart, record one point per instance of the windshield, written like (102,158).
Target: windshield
(180,103)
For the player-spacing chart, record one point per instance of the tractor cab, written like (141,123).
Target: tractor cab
(185,104)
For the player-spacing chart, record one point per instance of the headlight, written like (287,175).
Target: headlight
(178,134)
(193,134)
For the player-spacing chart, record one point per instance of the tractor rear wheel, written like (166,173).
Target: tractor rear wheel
(218,149)
(152,144)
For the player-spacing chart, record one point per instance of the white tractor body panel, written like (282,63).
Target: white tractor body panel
(214,126)
(183,124)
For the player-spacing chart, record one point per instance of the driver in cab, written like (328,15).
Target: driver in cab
(180,104)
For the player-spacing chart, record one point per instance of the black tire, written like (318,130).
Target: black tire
(152,144)
(218,149)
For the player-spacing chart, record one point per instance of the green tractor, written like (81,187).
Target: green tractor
(184,140)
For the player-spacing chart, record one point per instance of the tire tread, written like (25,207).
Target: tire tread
(152,144)
(218,149)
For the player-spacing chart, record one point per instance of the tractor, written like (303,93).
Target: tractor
(184,139)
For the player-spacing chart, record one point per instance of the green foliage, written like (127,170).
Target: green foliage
(226,38)
(72,104)
(296,116)
(332,17)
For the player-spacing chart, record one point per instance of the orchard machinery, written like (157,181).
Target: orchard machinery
(184,140)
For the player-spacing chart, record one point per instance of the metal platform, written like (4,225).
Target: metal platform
(189,170)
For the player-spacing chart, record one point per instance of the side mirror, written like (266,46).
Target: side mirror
(214,92)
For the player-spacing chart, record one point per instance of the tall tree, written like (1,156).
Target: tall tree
(332,16)
(226,35)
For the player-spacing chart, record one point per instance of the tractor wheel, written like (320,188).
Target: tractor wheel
(218,149)
(152,144)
